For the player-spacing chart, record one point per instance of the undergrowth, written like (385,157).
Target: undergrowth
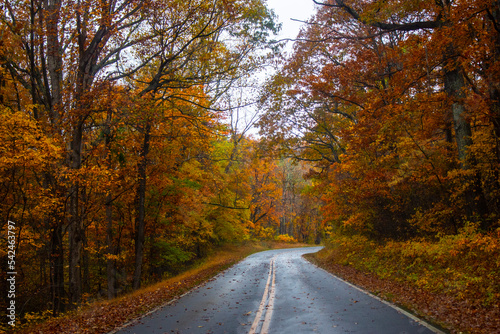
(461,271)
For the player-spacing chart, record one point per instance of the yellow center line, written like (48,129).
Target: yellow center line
(270,305)
(268,297)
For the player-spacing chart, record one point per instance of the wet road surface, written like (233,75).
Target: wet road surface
(277,292)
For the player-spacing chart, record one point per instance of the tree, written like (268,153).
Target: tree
(374,94)
(445,19)
(56,62)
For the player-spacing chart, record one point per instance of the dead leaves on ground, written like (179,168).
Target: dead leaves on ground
(453,314)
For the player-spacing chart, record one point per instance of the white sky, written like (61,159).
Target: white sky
(285,10)
(291,9)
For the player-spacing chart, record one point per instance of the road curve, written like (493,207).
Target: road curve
(279,292)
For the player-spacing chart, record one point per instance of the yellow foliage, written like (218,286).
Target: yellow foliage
(22,143)
(264,233)
(463,265)
(285,238)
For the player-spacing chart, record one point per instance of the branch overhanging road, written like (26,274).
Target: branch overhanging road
(278,291)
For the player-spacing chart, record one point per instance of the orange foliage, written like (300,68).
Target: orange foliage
(396,105)
(109,123)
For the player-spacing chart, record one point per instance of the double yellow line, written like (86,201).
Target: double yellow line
(266,304)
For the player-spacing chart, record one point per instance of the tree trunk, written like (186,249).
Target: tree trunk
(76,230)
(493,80)
(50,94)
(110,250)
(78,116)
(54,59)
(57,268)
(88,56)
(140,207)
(110,263)
(455,87)
(86,277)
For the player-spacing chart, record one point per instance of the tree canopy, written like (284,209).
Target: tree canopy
(396,103)
(117,164)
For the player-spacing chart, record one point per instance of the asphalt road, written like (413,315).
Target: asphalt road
(277,291)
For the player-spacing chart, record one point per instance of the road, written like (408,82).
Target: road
(277,291)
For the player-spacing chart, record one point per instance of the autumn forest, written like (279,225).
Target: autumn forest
(127,151)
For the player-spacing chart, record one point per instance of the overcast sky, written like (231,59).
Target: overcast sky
(291,9)
(285,10)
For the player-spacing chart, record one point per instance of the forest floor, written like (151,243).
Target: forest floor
(450,313)
(107,315)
